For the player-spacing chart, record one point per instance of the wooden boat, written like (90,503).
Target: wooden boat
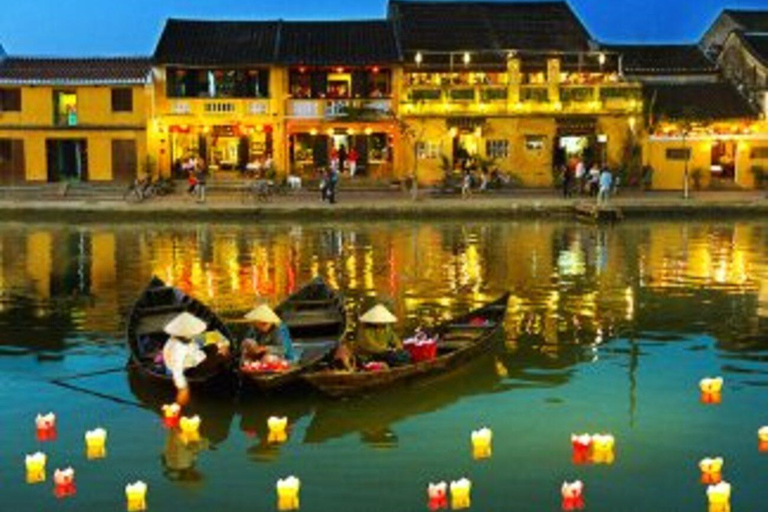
(157,305)
(459,340)
(317,320)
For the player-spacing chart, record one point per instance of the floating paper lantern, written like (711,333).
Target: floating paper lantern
(136,496)
(96,443)
(711,390)
(460,494)
(573,495)
(762,439)
(190,429)
(171,415)
(46,427)
(602,449)
(437,495)
(711,470)
(64,483)
(35,465)
(277,426)
(582,446)
(719,496)
(288,493)
(481,443)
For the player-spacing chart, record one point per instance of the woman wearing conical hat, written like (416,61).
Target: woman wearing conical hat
(181,352)
(377,340)
(269,335)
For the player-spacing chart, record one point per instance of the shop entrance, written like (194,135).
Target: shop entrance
(466,147)
(723,164)
(67,160)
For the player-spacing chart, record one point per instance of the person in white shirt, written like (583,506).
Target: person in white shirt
(181,352)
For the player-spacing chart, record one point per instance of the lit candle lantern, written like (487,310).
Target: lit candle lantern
(136,496)
(762,439)
(711,470)
(171,415)
(437,495)
(460,494)
(573,495)
(582,446)
(190,429)
(96,443)
(35,465)
(719,496)
(602,448)
(277,432)
(64,483)
(288,493)
(46,427)
(481,443)
(711,390)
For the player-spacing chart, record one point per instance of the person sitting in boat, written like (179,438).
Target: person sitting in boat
(378,340)
(181,352)
(269,340)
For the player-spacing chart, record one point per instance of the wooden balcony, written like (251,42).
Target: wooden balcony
(334,109)
(218,107)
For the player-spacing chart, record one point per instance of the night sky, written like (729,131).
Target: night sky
(131,27)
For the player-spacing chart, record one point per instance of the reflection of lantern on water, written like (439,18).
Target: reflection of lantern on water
(573,495)
(171,415)
(711,390)
(136,496)
(46,427)
(481,443)
(460,494)
(35,465)
(762,439)
(582,445)
(95,443)
(437,495)
(64,483)
(602,448)
(719,497)
(277,426)
(288,493)
(711,470)
(190,429)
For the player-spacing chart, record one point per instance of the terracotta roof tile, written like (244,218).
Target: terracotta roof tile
(117,70)
(750,20)
(663,59)
(697,101)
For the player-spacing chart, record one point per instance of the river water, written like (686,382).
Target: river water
(608,330)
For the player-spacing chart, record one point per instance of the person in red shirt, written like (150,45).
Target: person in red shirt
(352,159)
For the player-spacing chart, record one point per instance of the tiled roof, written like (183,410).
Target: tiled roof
(34,70)
(758,46)
(473,26)
(698,101)
(663,59)
(750,20)
(201,43)
(337,42)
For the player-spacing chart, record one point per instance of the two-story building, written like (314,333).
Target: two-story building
(520,83)
(73,119)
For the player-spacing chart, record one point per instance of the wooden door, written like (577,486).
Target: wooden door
(124,160)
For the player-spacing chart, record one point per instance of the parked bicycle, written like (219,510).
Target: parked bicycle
(142,189)
(263,190)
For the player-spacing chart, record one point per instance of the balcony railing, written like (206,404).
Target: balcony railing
(338,108)
(212,107)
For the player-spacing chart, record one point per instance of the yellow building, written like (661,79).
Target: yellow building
(65,120)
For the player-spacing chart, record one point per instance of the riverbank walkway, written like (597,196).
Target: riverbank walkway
(108,204)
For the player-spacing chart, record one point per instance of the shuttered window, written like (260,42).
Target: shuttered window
(124,160)
(122,100)
(10,100)
(11,160)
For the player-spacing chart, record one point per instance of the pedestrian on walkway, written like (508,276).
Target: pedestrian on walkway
(566,177)
(352,157)
(579,174)
(466,185)
(201,176)
(333,181)
(594,178)
(606,182)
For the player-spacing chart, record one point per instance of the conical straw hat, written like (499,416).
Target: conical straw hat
(186,325)
(378,315)
(263,313)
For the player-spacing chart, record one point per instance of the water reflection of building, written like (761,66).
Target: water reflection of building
(569,283)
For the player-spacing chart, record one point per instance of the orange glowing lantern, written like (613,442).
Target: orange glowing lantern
(719,497)
(64,483)
(288,493)
(136,496)
(190,429)
(711,470)
(437,495)
(762,439)
(573,495)
(711,390)
(582,445)
(35,465)
(46,427)
(481,443)
(277,430)
(460,494)
(96,444)
(171,415)
(602,449)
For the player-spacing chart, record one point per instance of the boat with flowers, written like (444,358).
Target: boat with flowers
(316,318)
(441,349)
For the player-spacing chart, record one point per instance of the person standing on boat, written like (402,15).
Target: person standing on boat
(181,352)
(268,335)
(378,341)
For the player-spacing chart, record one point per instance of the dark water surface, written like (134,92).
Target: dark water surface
(608,329)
